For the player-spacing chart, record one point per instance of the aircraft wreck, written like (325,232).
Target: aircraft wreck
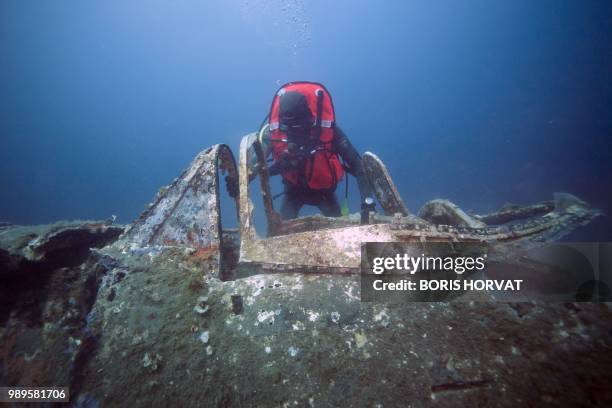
(182,309)
(187,214)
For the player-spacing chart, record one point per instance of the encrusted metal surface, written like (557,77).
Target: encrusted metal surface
(186,213)
(273,218)
(383,185)
(511,212)
(444,212)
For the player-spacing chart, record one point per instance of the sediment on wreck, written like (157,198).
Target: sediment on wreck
(169,334)
(47,287)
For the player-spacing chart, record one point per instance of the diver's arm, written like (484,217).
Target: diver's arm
(352,159)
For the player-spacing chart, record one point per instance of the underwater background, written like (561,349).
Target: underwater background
(479,102)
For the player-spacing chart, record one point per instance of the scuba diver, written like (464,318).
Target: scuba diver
(309,150)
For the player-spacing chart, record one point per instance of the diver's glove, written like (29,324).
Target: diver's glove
(275,169)
(231,183)
(286,162)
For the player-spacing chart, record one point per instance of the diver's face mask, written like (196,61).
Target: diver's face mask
(295,117)
(297,133)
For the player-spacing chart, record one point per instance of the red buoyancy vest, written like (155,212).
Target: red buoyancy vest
(322,167)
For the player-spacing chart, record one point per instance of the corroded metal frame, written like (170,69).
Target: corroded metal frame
(187,213)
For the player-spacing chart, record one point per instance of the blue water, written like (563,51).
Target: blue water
(481,102)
